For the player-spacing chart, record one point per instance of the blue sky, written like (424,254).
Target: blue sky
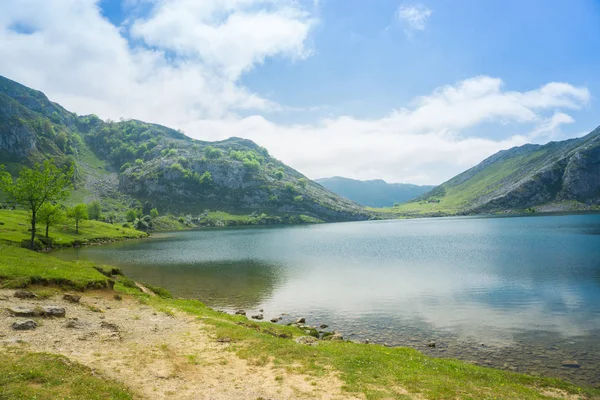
(405,91)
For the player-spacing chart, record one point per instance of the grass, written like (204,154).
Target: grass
(375,371)
(47,377)
(21,268)
(16,225)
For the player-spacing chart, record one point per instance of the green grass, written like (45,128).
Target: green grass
(49,377)
(16,225)
(21,268)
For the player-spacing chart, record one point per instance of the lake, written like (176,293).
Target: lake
(519,293)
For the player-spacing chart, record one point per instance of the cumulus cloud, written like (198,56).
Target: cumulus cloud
(414,17)
(180,65)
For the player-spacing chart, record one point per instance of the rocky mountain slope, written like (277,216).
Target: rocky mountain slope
(138,161)
(558,176)
(373,193)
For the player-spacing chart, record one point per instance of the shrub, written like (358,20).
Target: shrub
(298,199)
(153,213)
(212,153)
(302,182)
(279,175)
(252,165)
(37,244)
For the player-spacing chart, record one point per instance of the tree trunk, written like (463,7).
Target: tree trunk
(47,227)
(32,243)
(77,227)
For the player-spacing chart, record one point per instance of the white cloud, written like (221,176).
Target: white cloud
(189,79)
(414,16)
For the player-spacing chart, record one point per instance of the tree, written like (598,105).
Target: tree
(51,214)
(131,215)
(79,213)
(153,213)
(95,210)
(44,183)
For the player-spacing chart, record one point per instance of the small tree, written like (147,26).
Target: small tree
(51,214)
(35,187)
(131,215)
(153,213)
(95,210)
(79,213)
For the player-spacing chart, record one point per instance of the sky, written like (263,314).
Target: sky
(405,91)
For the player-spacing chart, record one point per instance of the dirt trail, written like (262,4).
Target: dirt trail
(157,355)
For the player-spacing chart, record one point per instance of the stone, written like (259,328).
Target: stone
(53,311)
(240,312)
(18,311)
(258,316)
(261,310)
(308,340)
(72,298)
(570,364)
(24,325)
(431,344)
(25,294)
(335,336)
(74,324)
(274,320)
(301,320)
(224,340)
(108,325)
(323,326)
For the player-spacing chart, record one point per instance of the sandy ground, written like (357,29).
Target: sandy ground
(157,355)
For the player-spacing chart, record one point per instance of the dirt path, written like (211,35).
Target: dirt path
(157,355)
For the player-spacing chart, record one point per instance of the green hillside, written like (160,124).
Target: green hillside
(129,163)
(558,176)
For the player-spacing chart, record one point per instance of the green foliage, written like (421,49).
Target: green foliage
(279,174)
(51,215)
(94,210)
(139,162)
(62,141)
(302,182)
(298,199)
(131,215)
(153,213)
(290,188)
(252,165)
(37,186)
(78,213)
(125,166)
(211,153)
(205,179)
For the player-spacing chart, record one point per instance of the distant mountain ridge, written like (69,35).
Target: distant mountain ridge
(133,161)
(373,193)
(558,176)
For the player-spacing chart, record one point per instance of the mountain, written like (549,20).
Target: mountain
(373,193)
(133,162)
(558,176)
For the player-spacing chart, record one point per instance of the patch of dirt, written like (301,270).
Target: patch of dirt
(157,355)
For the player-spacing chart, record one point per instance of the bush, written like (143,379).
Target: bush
(212,153)
(142,225)
(279,175)
(46,241)
(252,165)
(302,182)
(126,225)
(298,199)
(37,244)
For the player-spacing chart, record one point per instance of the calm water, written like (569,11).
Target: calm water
(519,293)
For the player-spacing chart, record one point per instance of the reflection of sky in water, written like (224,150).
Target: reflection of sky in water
(492,277)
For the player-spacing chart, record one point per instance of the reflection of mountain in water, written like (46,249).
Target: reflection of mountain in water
(229,284)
